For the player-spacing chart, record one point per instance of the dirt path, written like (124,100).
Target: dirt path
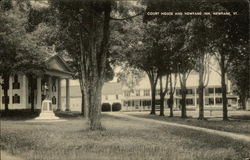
(212,131)
(6,156)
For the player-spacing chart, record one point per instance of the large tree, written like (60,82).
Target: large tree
(239,74)
(20,51)
(138,47)
(86,26)
(229,33)
(198,30)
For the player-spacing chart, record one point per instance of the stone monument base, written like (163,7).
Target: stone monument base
(48,115)
(47,111)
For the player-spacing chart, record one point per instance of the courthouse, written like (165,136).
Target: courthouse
(47,83)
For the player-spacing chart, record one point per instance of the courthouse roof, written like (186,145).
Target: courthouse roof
(111,88)
(56,66)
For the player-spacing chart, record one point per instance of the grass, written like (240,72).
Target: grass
(237,123)
(122,139)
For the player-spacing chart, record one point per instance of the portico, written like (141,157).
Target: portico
(49,82)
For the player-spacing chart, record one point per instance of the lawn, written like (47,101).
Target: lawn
(236,124)
(122,139)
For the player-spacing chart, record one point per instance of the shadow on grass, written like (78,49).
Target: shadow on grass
(68,114)
(27,114)
(241,117)
(19,114)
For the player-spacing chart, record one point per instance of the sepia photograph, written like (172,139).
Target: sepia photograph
(124,80)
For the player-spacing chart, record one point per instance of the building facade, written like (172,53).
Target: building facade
(48,85)
(140,97)
(68,97)
(111,94)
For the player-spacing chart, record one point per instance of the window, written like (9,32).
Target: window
(146,92)
(127,93)
(53,100)
(3,85)
(125,103)
(178,91)
(3,100)
(210,101)
(157,102)
(137,92)
(206,92)
(210,90)
(146,103)
(234,101)
(117,96)
(16,99)
(218,90)
(16,84)
(29,99)
(189,101)
(129,103)
(158,92)
(218,100)
(106,97)
(53,85)
(189,91)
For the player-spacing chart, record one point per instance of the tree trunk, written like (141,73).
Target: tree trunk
(82,92)
(183,103)
(171,97)
(161,105)
(201,90)
(93,61)
(201,103)
(161,98)
(224,87)
(183,96)
(82,105)
(153,83)
(244,104)
(6,78)
(171,100)
(243,100)
(152,100)
(32,91)
(92,99)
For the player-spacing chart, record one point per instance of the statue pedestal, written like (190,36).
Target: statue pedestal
(47,110)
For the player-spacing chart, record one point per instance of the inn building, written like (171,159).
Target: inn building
(139,98)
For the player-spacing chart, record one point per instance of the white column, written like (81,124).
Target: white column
(1,94)
(10,92)
(195,97)
(204,98)
(24,91)
(50,88)
(174,100)
(214,98)
(39,93)
(59,95)
(228,86)
(67,95)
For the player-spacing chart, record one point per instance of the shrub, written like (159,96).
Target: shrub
(106,107)
(116,107)
(71,114)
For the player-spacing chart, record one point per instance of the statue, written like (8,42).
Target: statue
(47,109)
(45,89)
